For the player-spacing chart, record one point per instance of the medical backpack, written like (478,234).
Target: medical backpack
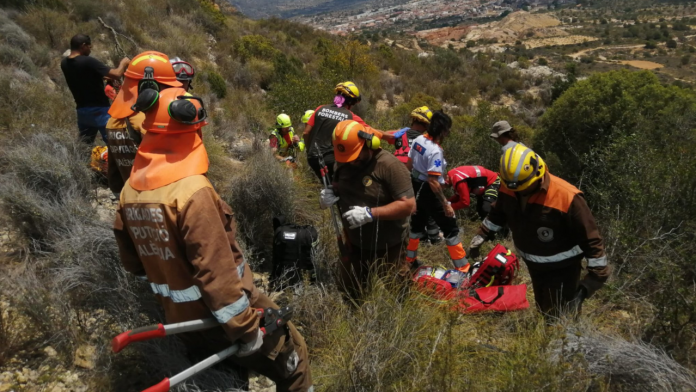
(498,268)
(293,247)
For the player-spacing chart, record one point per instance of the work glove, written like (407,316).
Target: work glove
(400,132)
(246,349)
(327,198)
(475,246)
(358,216)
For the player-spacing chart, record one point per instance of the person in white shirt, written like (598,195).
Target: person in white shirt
(428,165)
(505,135)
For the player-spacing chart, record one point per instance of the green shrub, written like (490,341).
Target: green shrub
(217,84)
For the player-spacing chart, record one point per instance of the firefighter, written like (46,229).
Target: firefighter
(321,124)
(373,190)
(124,127)
(477,181)
(420,120)
(552,228)
(184,72)
(283,141)
(428,167)
(173,229)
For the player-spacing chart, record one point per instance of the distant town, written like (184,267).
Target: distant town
(419,14)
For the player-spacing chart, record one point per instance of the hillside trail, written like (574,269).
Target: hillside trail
(616,47)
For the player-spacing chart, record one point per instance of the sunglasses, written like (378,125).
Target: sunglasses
(183,67)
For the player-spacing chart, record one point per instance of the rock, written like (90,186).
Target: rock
(50,352)
(66,53)
(6,387)
(85,356)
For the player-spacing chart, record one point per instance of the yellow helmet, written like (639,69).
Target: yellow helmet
(422,114)
(348,89)
(520,167)
(307,115)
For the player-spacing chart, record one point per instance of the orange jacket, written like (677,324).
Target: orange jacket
(182,237)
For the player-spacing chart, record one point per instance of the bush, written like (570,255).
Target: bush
(13,56)
(542,62)
(13,34)
(651,45)
(672,44)
(217,84)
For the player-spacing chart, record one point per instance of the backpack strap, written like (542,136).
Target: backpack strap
(136,136)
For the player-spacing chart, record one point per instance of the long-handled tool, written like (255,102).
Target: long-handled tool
(272,320)
(339,235)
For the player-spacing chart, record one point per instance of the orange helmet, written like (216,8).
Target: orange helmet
(349,136)
(163,73)
(174,111)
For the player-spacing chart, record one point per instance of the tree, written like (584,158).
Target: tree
(651,45)
(672,44)
(470,43)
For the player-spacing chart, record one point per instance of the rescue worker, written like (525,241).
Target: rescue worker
(85,77)
(428,168)
(505,135)
(477,181)
(320,127)
(173,229)
(373,190)
(420,120)
(124,127)
(305,118)
(283,141)
(184,72)
(553,229)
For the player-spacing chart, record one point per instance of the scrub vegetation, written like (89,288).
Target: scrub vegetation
(625,138)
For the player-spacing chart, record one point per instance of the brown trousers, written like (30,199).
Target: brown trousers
(354,273)
(283,358)
(554,286)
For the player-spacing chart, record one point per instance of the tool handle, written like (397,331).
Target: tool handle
(162,386)
(137,335)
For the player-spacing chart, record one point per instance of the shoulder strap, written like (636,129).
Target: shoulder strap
(136,136)
(500,294)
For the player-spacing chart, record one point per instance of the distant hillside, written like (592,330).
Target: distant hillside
(292,8)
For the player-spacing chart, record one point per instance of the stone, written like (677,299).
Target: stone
(50,352)
(85,356)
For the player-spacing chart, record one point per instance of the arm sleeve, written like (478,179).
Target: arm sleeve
(585,232)
(463,199)
(496,219)
(435,163)
(98,67)
(126,248)
(368,128)
(399,181)
(210,251)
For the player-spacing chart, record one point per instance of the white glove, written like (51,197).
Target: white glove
(358,216)
(246,349)
(327,198)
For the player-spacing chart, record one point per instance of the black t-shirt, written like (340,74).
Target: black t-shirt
(85,77)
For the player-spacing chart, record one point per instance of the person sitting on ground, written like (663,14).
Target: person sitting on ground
(124,127)
(174,230)
(85,77)
(283,141)
(373,190)
(552,228)
(467,181)
(320,127)
(504,134)
(428,167)
(184,72)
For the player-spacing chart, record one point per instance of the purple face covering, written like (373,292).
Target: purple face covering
(339,100)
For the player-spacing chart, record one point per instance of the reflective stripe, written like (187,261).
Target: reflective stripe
(240,269)
(452,241)
(142,278)
(598,262)
(520,165)
(187,295)
(411,254)
(415,236)
(553,258)
(434,232)
(478,171)
(225,314)
(347,131)
(491,226)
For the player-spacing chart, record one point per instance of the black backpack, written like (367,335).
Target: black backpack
(292,252)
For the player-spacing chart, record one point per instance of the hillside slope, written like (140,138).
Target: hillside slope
(625,139)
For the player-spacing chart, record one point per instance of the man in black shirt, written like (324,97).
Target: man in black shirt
(85,77)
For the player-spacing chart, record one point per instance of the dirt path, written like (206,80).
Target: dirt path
(642,64)
(617,47)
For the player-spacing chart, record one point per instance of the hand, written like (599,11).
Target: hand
(358,216)
(295,139)
(449,211)
(246,349)
(401,132)
(125,61)
(327,198)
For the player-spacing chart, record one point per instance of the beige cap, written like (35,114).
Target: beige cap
(500,128)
